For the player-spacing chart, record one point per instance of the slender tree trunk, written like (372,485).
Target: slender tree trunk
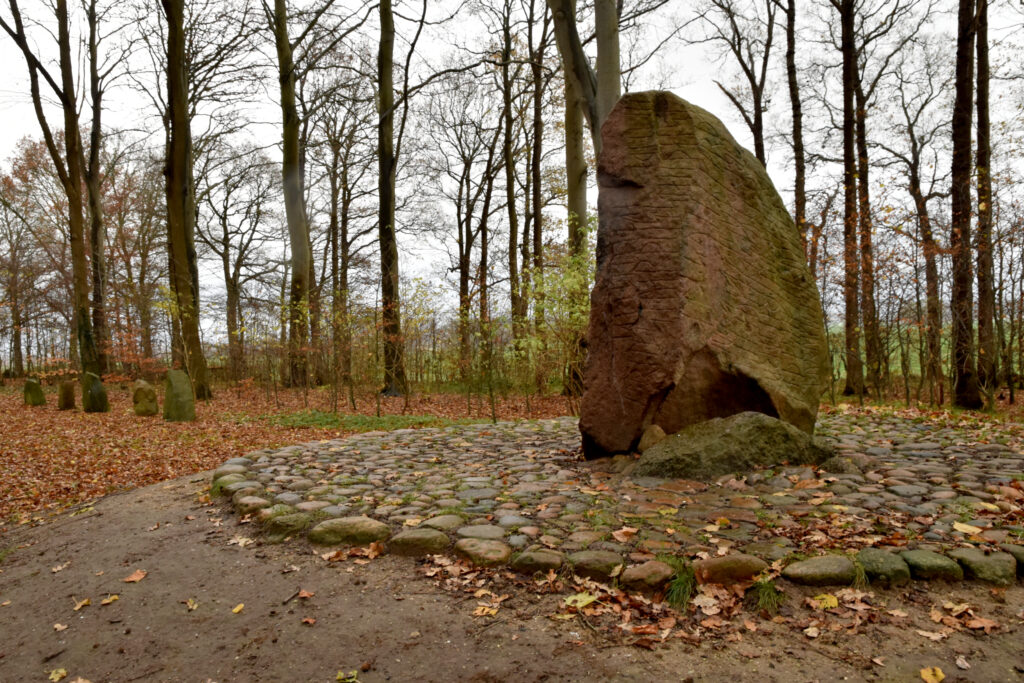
(181,213)
(965,380)
(854,367)
(17,357)
(933,324)
(507,83)
(294,202)
(609,75)
(394,363)
(987,352)
(799,162)
(97,228)
(869,316)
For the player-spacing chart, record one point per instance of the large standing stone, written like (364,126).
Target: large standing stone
(34,395)
(703,305)
(94,394)
(179,401)
(144,399)
(66,395)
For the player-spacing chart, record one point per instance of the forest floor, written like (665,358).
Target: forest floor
(161,583)
(51,459)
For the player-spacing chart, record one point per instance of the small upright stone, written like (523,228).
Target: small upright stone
(94,395)
(144,399)
(179,401)
(34,395)
(66,396)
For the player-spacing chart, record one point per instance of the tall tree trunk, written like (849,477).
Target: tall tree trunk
(294,202)
(181,210)
(17,357)
(394,362)
(869,316)
(609,75)
(933,324)
(97,228)
(854,367)
(799,163)
(987,352)
(515,292)
(965,380)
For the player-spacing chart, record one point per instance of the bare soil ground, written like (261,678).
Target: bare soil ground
(383,620)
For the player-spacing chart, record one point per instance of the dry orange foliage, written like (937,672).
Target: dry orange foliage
(51,459)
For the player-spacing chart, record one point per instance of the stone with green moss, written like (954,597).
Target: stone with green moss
(33,393)
(94,394)
(179,400)
(739,443)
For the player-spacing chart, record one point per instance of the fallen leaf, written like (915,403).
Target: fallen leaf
(961,663)
(305,595)
(136,576)
(966,529)
(825,601)
(880,661)
(241,541)
(191,604)
(898,613)
(707,604)
(931,635)
(812,632)
(580,600)
(238,608)
(60,627)
(109,599)
(309,621)
(5,603)
(60,567)
(83,603)
(58,674)
(932,674)
(624,534)
(981,623)
(484,611)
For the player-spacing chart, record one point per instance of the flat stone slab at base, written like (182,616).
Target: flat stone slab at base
(827,570)
(741,443)
(349,531)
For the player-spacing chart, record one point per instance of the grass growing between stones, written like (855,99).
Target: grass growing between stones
(683,583)
(767,596)
(319,419)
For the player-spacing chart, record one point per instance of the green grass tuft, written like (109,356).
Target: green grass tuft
(769,597)
(683,583)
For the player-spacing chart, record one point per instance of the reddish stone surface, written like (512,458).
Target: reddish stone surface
(703,305)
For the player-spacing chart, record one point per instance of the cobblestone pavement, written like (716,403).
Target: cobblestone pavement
(908,496)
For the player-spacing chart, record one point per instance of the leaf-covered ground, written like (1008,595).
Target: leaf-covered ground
(51,459)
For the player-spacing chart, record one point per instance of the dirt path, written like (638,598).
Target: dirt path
(381,619)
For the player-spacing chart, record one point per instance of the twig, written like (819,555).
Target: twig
(293,596)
